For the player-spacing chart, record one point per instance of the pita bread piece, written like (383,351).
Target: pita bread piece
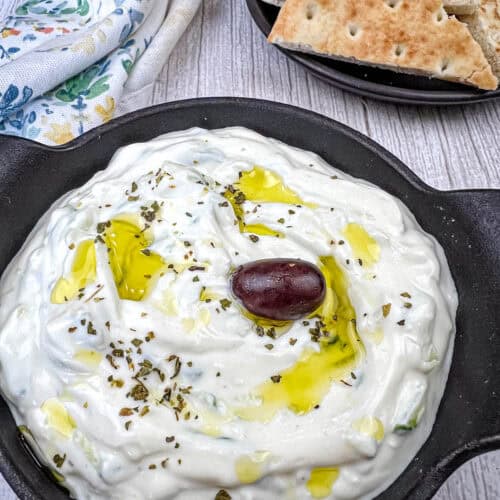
(485,28)
(411,36)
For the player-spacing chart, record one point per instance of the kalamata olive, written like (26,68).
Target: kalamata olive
(279,289)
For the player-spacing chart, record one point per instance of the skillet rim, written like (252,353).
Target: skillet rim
(94,134)
(449,463)
(390,158)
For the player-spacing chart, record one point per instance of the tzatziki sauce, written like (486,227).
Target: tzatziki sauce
(134,373)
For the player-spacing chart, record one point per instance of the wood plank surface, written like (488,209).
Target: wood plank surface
(224,54)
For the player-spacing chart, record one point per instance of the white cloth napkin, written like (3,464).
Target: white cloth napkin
(67,66)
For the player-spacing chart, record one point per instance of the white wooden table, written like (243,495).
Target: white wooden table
(224,54)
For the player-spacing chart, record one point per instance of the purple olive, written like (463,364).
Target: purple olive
(279,289)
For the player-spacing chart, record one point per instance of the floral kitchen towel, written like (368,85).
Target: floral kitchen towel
(67,66)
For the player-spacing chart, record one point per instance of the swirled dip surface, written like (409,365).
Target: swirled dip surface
(135,374)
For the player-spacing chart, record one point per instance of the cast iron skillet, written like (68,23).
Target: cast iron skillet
(467,224)
(372,82)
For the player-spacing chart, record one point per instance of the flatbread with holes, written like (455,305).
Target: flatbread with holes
(409,36)
(451,6)
(485,28)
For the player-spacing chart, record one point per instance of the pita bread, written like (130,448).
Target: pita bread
(451,6)
(485,28)
(412,36)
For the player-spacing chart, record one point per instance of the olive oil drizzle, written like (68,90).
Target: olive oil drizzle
(271,327)
(58,417)
(249,468)
(370,426)
(135,268)
(260,185)
(321,481)
(365,248)
(83,273)
(302,387)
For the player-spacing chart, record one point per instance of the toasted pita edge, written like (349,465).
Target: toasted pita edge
(484,26)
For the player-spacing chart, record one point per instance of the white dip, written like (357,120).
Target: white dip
(136,375)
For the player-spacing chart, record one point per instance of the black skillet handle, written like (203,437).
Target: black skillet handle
(468,420)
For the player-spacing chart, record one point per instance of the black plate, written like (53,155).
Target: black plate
(373,82)
(467,224)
